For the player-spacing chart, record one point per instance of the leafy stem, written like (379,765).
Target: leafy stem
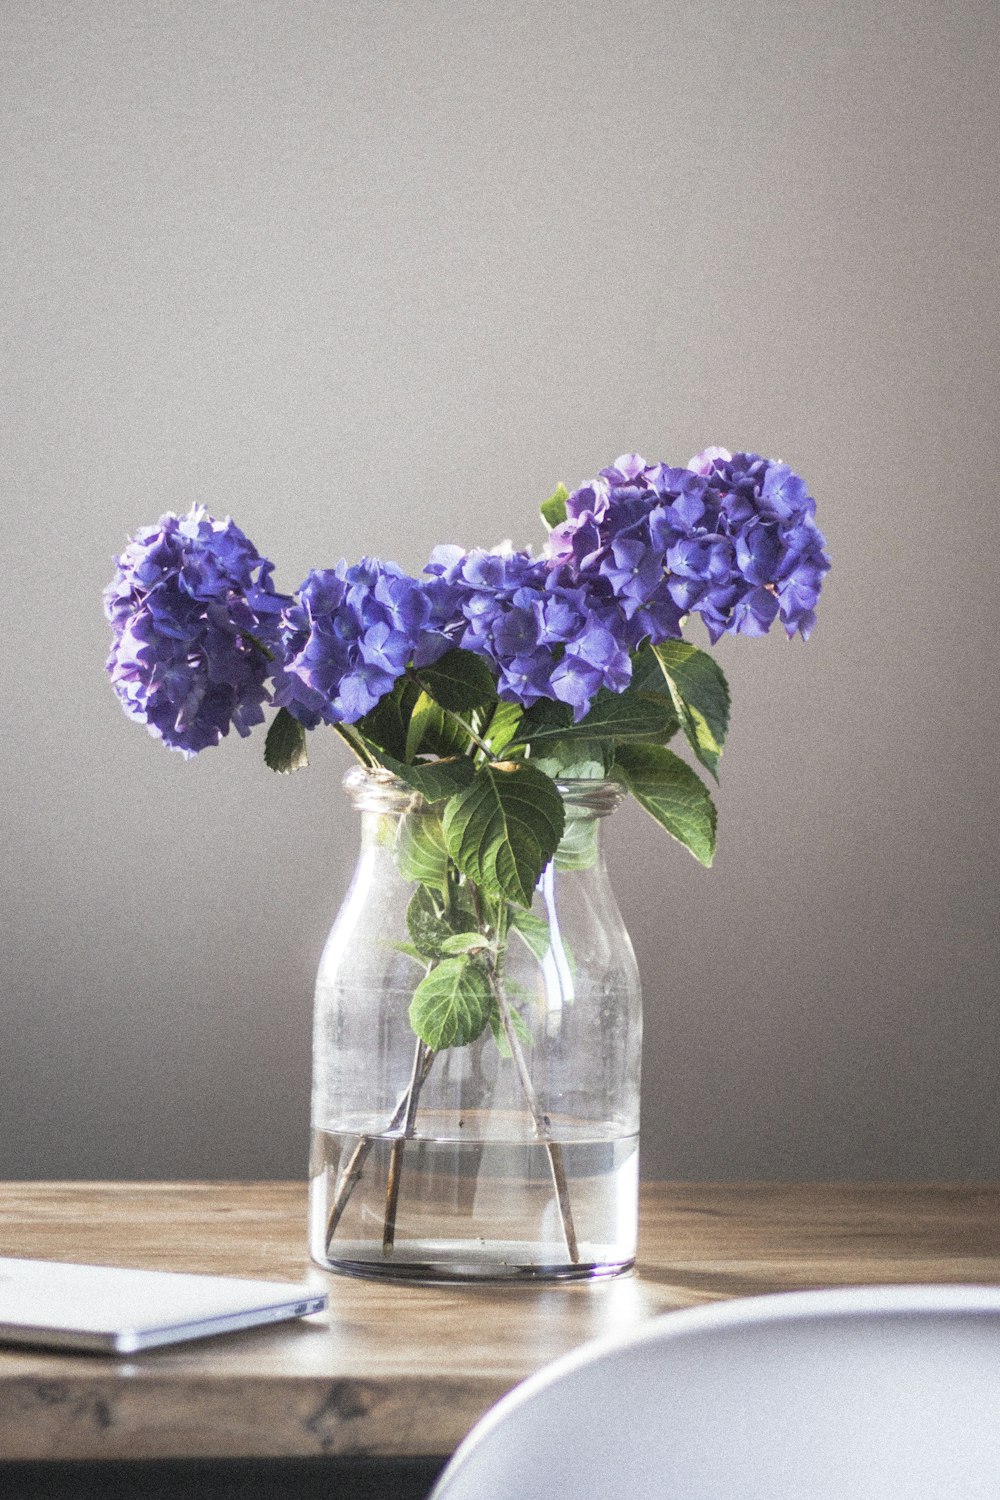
(481,744)
(351,738)
(456,718)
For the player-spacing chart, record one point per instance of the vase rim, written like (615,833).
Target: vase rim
(376,789)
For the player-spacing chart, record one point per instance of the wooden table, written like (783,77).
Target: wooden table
(399,1370)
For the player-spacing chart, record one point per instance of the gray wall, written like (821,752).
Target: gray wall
(369,276)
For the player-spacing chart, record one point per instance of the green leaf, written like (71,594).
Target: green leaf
(434,731)
(458,680)
(648,679)
(422,710)
(504,828)
(433,779)
(451,1005)
(386,726)
(647,674)
(502,725)
(701,697)
(574,760)
(421,852)
(554,508)
(411,951)
(515,990)
(426,923)
(631,715)
(285,746)
(463,912)
(673,794)
(533,932)
(545,719)
(518,1024)
(578,846)
(465,942)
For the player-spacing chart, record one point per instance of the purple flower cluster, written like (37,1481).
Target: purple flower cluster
(780,551)
(350,633)
(731,538)
(195,619)
(199,629)
(543,639)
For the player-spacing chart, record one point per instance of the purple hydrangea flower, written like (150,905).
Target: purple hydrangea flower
(195,620)
(544,640)
(613,543)
(780,550)
(730,538)
(350,634)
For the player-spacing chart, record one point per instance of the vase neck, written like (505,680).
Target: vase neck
(379,791)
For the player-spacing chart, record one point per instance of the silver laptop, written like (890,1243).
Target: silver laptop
(108,1310)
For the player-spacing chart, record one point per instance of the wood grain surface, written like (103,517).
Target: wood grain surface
(396,1369)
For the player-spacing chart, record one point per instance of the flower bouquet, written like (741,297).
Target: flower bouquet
(497,707)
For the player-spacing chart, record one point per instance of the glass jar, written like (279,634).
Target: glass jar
(515,1155)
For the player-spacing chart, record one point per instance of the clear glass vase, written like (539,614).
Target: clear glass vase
(515,1155)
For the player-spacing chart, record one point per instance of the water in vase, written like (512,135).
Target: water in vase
(469,1206)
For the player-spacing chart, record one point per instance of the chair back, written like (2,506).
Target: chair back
(867,1393)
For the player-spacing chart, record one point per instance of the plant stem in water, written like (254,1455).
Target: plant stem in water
(396,1156)
(360,1154)
(541,1121)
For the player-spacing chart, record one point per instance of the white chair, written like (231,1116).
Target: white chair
(869,1393)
